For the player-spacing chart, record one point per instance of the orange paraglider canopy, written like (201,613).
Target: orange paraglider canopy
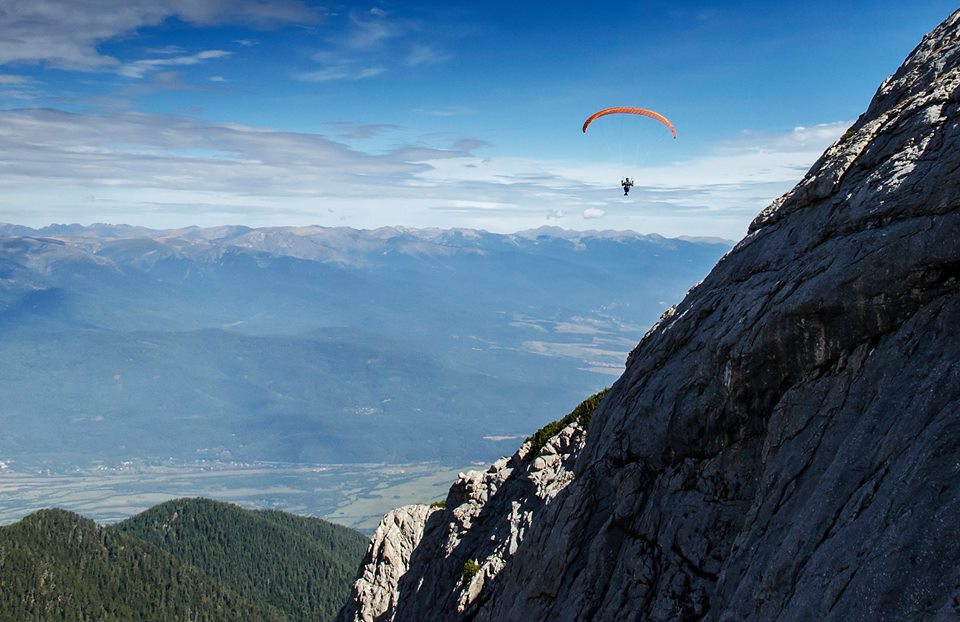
(631,110)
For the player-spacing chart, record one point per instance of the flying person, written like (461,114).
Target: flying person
(627,183)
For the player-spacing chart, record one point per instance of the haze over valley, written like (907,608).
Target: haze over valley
(261,365)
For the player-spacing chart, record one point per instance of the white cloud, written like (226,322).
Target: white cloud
(800,138)
(593,212)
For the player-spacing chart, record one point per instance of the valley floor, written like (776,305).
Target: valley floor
(353,495)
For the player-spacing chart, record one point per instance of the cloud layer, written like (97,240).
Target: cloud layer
(87,151)
(167,170)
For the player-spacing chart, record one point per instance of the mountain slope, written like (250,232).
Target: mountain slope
(300,566)
(187,559)
(55,565)
(783,444)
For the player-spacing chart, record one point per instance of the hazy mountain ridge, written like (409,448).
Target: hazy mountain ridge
(783,443)
(267,342)
(319,261)
(339,245)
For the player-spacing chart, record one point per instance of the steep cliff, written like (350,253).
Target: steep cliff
(420,557)
(785,443)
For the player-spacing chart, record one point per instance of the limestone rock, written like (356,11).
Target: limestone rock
(374,595)
(486,517)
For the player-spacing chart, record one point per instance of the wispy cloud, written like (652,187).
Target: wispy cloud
(143,150)
(360,131)
(370,43)
(17,87)
(447,111)
(66,33)
(138,69)
(470,144)
(156,82)
(370,30)
(132,162)
(420,54)
(168,50)
(340,72)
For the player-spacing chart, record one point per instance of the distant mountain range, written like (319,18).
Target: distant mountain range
(312,344)
(188,559)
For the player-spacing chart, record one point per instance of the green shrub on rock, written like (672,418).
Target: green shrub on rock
(581,414)
(470,569)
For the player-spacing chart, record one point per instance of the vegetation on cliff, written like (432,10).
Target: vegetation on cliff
(581,414)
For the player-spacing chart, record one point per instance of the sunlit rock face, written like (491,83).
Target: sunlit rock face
(785,443)
(483,523)
(387,560)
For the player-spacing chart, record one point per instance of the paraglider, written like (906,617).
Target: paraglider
(656,116)
(630,110)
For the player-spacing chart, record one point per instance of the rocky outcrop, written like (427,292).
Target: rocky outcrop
(485,518)
(387,560)
(785,443)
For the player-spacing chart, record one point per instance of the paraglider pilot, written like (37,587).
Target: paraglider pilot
(627,184)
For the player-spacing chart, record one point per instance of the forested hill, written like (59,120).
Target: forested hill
(301,566)
(183,560)
(56,565)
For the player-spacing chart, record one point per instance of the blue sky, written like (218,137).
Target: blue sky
(169,113)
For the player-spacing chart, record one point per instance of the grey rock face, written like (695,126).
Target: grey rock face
(785,443)
(486,516)
(387,559)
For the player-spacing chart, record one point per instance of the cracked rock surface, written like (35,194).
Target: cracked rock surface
(785,443)
(484,521)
